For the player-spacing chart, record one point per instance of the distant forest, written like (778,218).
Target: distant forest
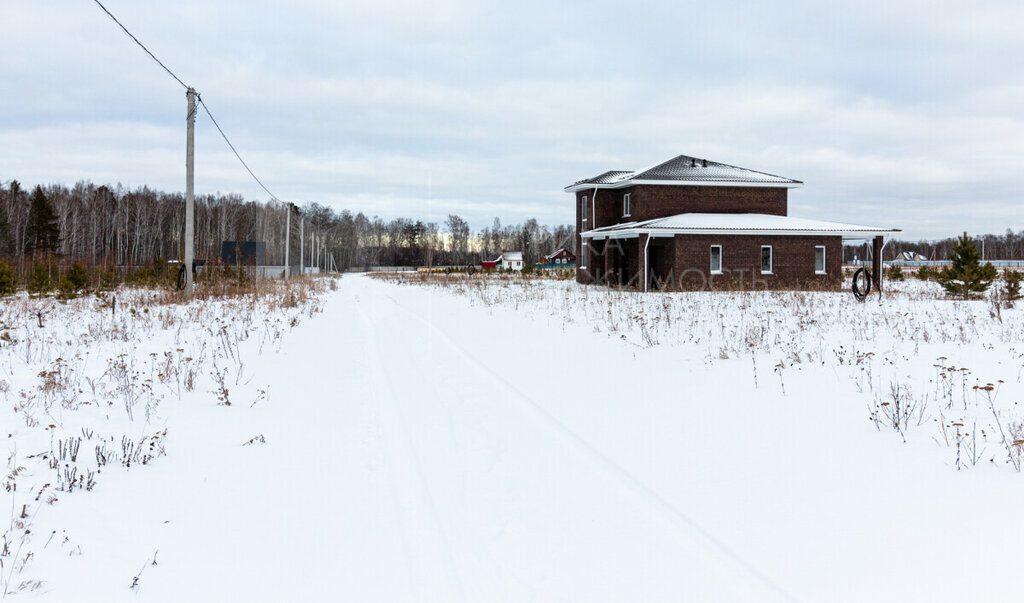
(1008,246)
(105,225)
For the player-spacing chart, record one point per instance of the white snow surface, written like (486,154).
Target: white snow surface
(678,447)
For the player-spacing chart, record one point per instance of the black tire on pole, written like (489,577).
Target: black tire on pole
(861,283)
(181,277)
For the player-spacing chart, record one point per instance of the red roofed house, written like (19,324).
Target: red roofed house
(691,223)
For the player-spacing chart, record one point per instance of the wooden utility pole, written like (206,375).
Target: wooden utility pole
(287,232)
(302,246)
(190,202)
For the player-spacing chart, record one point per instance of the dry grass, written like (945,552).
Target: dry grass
(894,350)
(81,379)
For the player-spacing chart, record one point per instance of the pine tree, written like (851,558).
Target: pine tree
(1011,286)
(39,281)
(78,276)
(42,232)
(966,275)
(6,240)
(8,282)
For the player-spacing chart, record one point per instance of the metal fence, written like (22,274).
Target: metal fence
(381,269)
(916,263)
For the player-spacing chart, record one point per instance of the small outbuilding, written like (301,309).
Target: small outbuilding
(510,260)
(245,253)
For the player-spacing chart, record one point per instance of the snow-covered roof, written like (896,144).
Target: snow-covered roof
(695,223)
(685,169)
(512,256)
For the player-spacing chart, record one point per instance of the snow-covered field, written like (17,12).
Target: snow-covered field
(450,439)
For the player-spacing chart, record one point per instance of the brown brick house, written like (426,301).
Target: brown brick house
(561,257)
(691,223)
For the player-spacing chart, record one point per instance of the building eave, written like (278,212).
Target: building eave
(632,233)
(628,183)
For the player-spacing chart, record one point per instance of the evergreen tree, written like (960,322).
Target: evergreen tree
(6,237)
(78,276)
(966,275)
(8,282)
(39,281)
(110,278)
(42,232)
(1011,286)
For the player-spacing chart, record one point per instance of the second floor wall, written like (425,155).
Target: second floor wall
(650,201)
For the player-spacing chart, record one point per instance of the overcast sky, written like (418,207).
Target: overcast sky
(904,114)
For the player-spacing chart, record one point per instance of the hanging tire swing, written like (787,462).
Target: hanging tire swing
(861,283)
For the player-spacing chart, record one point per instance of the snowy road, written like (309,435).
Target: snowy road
(422,449)
(403,463)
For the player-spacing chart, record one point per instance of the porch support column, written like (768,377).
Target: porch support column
(876,262)
(607,260)
(643,241)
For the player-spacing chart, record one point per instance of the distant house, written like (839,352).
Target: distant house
(911,256)
(510,260)
(561,257)
(690,223)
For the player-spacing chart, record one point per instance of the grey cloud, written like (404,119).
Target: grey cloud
(892,112)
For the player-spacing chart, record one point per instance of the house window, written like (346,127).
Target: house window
(583,256)
(716,259)
(766,259)
(584,212)
(625,205)
(819,259)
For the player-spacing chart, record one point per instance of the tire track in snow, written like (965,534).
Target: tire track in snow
(435,575)
(605,465)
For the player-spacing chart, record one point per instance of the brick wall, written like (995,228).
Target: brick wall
(649,202)
(792,262)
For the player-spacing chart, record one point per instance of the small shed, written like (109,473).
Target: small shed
(245,253)
(511,260)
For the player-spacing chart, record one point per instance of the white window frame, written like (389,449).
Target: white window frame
(583,255)
(824,265)
(584,214)
(626,205)
(771,259)
(712,259)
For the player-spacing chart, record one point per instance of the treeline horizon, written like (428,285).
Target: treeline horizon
(1007,246)
(104,225)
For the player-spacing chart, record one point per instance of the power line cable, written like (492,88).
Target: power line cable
(233,150)
(198,97)
(141,45)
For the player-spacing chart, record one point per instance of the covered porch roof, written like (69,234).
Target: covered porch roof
(736,224)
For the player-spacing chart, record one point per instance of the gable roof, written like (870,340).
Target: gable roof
(512,256)
(686,170)
(732,224)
